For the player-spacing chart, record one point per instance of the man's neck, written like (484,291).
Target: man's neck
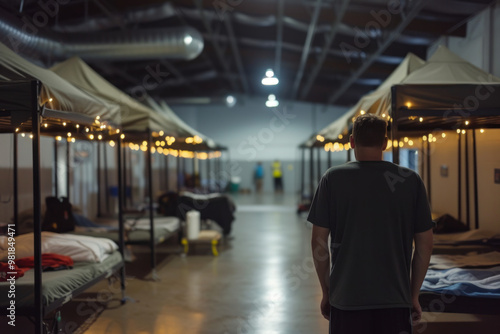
(368,154)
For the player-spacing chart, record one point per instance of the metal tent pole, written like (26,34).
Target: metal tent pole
(121,221)
(429,172)
(167,173)
(394,125)
(178,171)
(68,168)
(56,170)
(125,181)
(106,181)
(476,194)
(459,177)
(208,175)
(467,185)
(37,226)
(16,184)
(151,220)
(99,191)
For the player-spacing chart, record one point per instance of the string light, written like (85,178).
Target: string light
(78,126)
(410,142)
(443,135)
(463,132)
(408,104)
(161,133)
(406,139)
(58,138)
(91,137)
(424,138)
(320,138)
(362,112)
(87,129)
(69,134)
(122,136)
(99,137)
(64,123)
(23,134)
(421,119)
(482,130)
(466,122)
(45,125)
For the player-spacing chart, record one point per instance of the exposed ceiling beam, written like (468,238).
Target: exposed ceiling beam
(306,49)
(113,17)
(236,53)
(218,51)
(406,19)
(279,37)
(172,69)
(340,11)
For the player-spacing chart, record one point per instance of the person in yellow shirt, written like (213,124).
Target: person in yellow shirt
(277,176)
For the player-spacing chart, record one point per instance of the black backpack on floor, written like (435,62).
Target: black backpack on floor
(58,215)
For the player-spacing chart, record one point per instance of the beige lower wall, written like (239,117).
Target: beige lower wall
(444,190)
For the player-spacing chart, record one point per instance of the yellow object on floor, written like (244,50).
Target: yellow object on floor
(205,236)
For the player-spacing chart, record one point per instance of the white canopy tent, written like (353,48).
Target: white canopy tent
(374,102)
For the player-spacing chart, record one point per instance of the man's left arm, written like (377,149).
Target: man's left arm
(321,257)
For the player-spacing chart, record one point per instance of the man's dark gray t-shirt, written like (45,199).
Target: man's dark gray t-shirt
(373,209)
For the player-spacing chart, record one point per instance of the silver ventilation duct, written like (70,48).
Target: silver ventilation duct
(31,41)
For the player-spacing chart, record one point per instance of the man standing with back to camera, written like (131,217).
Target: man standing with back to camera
(373,210)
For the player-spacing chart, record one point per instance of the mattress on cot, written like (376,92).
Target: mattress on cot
(479,241)
(138,231)
(58,285)
(462,290)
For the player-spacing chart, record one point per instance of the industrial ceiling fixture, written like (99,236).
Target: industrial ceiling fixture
(271,101)
(270,79)
(230,101)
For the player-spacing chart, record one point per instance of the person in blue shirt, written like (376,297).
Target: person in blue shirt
(259,177)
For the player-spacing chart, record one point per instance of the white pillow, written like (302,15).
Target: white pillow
(80,248)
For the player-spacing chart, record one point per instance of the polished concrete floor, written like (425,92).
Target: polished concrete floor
(263,282)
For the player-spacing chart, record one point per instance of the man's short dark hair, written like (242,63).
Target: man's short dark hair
(369,130)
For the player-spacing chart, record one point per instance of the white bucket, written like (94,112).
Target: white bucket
(193,224)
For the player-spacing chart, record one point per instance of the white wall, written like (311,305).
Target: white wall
(252,132)
(481,48)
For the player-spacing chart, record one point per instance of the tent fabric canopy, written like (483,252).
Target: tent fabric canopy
(445,81)
(373,102)
(133,116)
(55,93)
(207,144)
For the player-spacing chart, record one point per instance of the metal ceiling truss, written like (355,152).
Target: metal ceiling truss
(340,11)
(406,18)
(218,50)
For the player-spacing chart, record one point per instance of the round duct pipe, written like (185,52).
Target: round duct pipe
(26,38)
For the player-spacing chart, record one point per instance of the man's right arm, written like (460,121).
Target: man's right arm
(321,257)
(420,263)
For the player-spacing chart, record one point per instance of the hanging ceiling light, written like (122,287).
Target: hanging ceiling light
(270,79)
(271,101)
(230,101)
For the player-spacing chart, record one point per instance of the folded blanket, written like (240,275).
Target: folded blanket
(464,282)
